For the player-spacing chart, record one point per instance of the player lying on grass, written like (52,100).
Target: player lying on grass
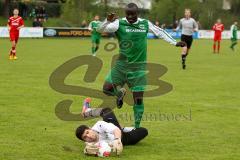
(15,23)
(108,130)
(130,67)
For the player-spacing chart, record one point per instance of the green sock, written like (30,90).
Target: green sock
(138,112)
(234,44)
(117,92)
(96,49)
(93,50)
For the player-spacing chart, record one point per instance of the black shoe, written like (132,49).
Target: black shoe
(120,99)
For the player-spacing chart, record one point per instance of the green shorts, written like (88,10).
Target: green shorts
(95,39)
(134,75)
(233,39)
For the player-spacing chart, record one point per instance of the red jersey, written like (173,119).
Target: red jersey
(218,28)
(14,23)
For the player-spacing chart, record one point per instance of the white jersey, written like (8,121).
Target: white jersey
(188,26)
(110,27)
(105,131)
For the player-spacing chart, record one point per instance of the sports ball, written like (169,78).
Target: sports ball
(104,150)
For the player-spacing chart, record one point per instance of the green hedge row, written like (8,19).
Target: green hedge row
(52,9)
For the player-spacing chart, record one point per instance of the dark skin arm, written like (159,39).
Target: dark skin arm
(111,17)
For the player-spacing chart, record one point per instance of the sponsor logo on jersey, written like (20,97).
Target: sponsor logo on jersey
(136,30)
(15,24)
(218,27)
(142,26)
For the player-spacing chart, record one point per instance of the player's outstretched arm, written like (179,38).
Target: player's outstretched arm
(20,27)
(90,27)
(21,24)
(231,30)
(111,17)
(8,26)
(117,144)
(161,33)
(110,25)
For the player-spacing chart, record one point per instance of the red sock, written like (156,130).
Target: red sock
(214,47)
(218,47)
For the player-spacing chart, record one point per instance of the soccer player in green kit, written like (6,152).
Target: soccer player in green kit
(130,67)
(96,36)
(234,30)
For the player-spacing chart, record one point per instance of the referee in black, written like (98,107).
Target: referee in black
(188,26)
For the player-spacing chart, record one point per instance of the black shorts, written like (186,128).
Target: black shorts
(188,40)
(128,138)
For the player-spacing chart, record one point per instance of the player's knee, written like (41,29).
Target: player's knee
(138,101)
(139,134)
(108,89)
(144,132)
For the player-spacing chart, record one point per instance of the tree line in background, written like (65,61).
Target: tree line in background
(206,12)
(75,12)
(165,11)
(26,6)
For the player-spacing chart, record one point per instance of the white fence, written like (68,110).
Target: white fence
(35,32)
(27,32)
(207,34)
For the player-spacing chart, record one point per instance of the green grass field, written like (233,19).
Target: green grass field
(209,88)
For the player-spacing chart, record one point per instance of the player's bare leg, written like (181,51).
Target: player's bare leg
(12,54)
(93,49)
(138,107)
(234,43)
(96,48)
(185,51)
(219,45)
(214,47)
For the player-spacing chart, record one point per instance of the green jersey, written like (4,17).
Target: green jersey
(93,26)
(234,30)
(132,40)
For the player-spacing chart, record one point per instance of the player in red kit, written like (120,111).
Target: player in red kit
(218,29)
(15,23)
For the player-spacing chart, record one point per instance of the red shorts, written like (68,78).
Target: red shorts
(14,36)
(217,37)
